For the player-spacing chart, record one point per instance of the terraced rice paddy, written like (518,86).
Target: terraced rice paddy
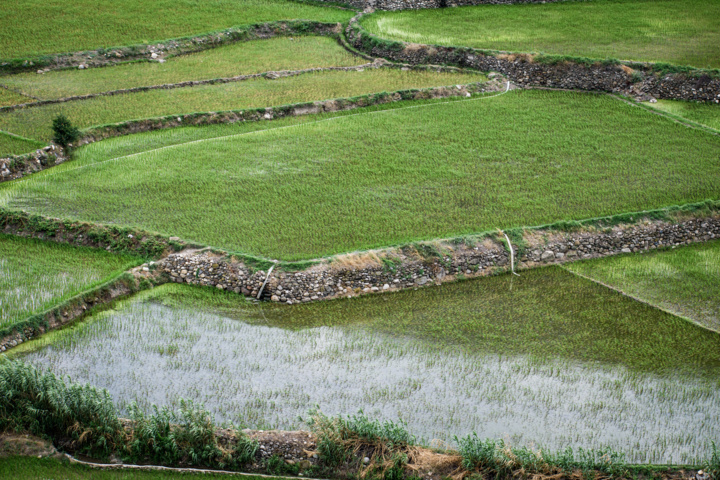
(682,32)
(703,113)
(35,275)
(365,180)
(685,281)
(14,145)
(9,97)
(242,58)
(36,122)
(85,24)
(547,359)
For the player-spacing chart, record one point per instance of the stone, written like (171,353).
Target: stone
(547,255)
(386,287)
(274,298)
(626,250)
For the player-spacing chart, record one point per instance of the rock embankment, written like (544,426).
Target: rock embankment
(423,264)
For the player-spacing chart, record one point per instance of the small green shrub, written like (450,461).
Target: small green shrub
(64,132)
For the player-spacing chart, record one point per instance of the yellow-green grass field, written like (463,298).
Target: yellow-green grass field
(36,275)
(364,180)
(685,281)
(682,32)
(33,27)
(242,58)
(8,97)
(35,122)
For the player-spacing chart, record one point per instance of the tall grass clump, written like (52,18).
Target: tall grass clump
(712,466)
(386,444)
(184,436)
(500,459)
(43,404)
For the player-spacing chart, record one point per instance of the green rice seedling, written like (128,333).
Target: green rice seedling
(244,58)
(544,359)
(36,275)
(712,465)
(706,114)
(35,122)
(684,32)
(87,25)
(682,280)
(14,145)
(9,97)
(371,179)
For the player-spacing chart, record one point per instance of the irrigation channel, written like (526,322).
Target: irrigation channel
(547,359)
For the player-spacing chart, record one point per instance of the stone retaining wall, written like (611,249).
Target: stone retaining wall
(640,80)
(419,4)
(428,263)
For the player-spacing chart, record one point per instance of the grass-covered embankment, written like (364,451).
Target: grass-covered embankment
(684,280)
(36,275)
(35,122)
(375,179)
(85,25)
(30,468)
(243,58)
(681,32)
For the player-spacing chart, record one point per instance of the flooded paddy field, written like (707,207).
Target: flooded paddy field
(547,359)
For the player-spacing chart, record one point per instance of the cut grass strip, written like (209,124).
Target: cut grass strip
(243,58)
(705,114)
(681,32)
(685,281)
(36,275)
(29,468)
(35,122)
(85,24)
(391,177)
(14,145)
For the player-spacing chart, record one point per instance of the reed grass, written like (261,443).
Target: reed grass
(375,179)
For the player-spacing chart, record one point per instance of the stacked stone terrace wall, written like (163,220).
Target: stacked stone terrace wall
(642,81)
(419,4)
(426,264)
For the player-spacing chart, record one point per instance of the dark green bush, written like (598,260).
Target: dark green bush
(64,132)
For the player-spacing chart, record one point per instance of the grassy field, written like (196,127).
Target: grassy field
(35,275)
(25,468)
(547,358)
(35,122)
(683,32)
(241,58)
(367,180)
(684,280)
(12,145)
(85,24)
(8,97)
(703,113)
